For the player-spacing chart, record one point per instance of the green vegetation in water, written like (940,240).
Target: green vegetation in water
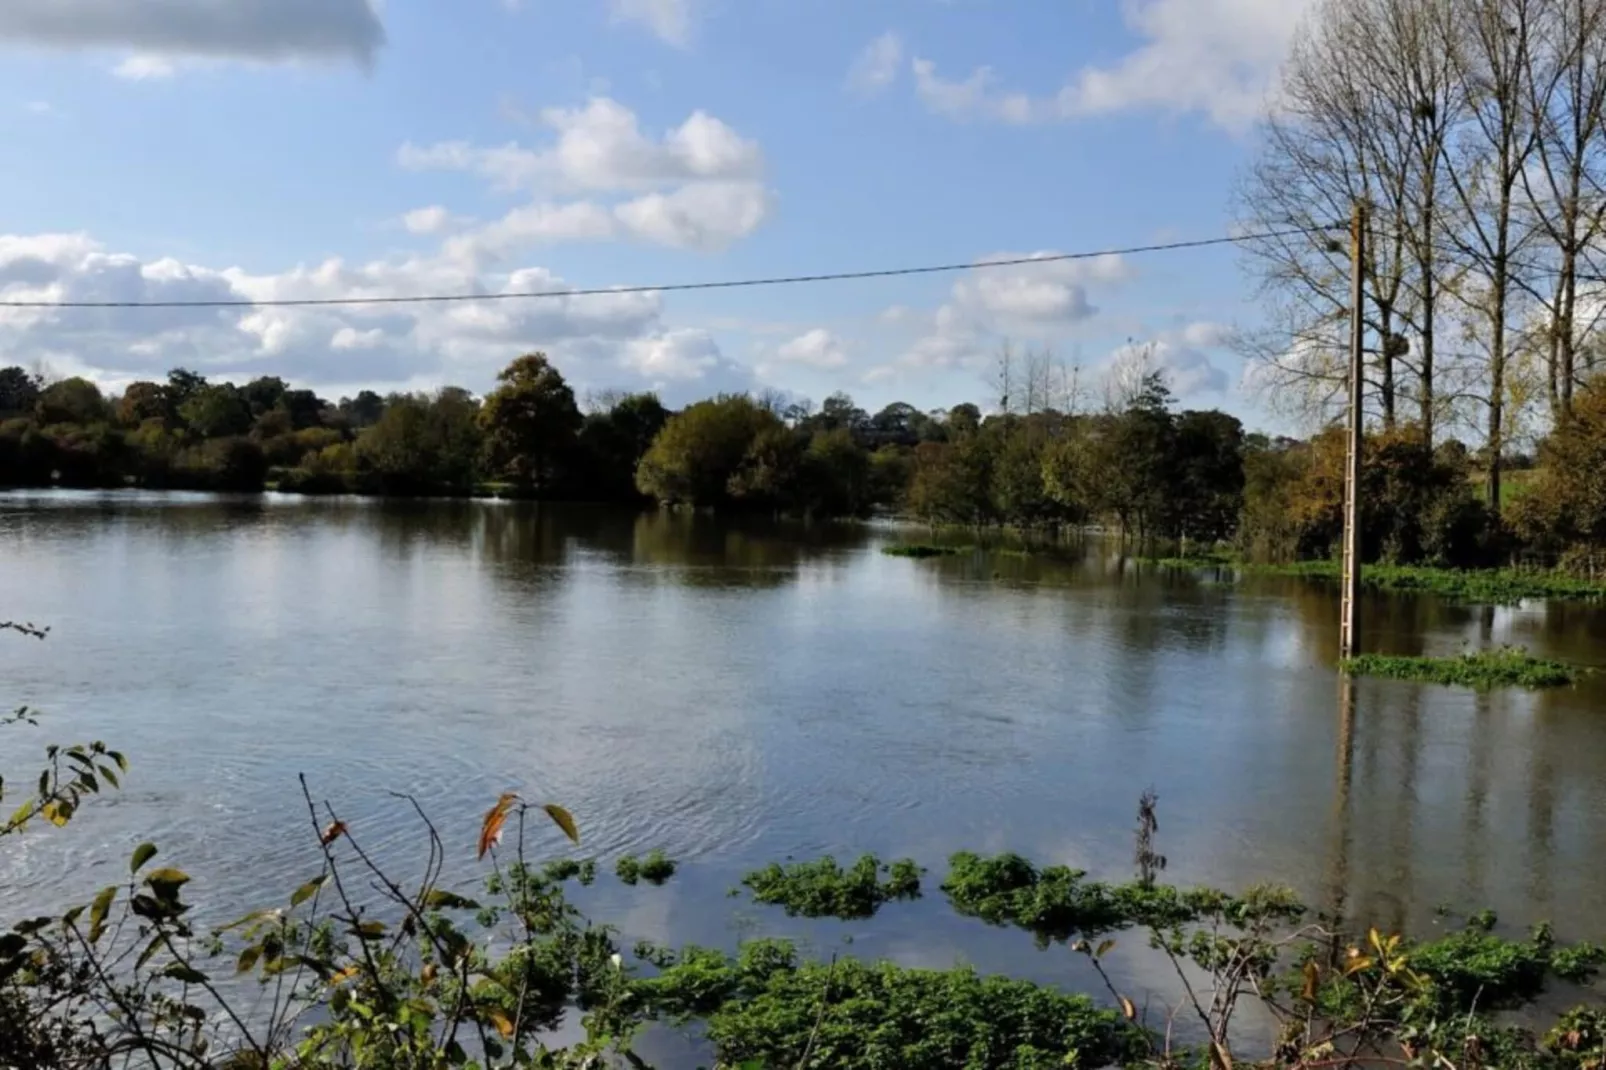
(1056,903)
(1193,562)
(655,868)
(1488,586)
(923,550)
(1484,670)
(567,869)
(822,889)
(769,1009)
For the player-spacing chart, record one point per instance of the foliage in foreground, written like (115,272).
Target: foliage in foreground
(1483,670)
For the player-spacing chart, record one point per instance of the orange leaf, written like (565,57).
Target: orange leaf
(332,833)
(343,975)
(1128,1009)
(495,818)
(503,1024)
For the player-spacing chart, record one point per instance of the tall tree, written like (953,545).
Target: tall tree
(530,421)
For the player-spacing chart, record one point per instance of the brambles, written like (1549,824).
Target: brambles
(1482,671)
(656,868)
(822,889)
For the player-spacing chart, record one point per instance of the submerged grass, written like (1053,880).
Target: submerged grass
(822,889)
(654,869)
(923,550)
(1484,670)
(1503,586)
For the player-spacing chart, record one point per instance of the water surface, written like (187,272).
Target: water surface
(736,693)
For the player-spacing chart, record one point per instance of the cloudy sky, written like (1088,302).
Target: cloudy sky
(257,149)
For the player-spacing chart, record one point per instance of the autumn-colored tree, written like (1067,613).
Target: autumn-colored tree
(1564,509)
(143,401)
(530,421)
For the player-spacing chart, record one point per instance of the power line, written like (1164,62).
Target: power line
(732,284)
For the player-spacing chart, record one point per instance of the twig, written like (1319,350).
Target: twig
(825,1001)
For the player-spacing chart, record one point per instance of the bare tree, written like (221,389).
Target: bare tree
(1003,379)
(1493,41)
(1567,102)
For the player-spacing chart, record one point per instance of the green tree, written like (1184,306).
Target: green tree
(424,444)
(72,401)
(19,391)
(530,421)
(216,411)
(362,411)
(698,451)
(612,443)
(1207,495)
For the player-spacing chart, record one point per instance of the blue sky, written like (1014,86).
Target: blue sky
(183,149)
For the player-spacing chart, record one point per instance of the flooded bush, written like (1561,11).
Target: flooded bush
(822,889)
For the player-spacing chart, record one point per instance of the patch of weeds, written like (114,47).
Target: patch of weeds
(1057,902)
(767,1008)
(656,868)
(1504,586)
(1483,670)
(566,869)
(1474,968)
(923,550)
(822,889)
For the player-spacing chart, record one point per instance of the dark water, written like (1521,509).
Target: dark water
(735,694)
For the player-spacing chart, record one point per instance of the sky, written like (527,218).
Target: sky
(272,149)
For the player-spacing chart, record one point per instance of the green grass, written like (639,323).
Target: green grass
(1484,670)
(1503,586)
(923,550)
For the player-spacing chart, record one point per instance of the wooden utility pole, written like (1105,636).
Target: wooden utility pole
(1349,626)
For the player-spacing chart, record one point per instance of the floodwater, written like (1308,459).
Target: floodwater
(737,693)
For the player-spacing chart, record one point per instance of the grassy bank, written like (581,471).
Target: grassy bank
(1485,670)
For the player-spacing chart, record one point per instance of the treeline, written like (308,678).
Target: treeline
(1474,132)
(1136,465)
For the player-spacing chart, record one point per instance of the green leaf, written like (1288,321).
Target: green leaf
(107,775)
(97,913)
(184,972)
(248,958)
(20,818)
(116,756)
(142,854)
(564,820)
(1102,948)
(166,882)
(371,930)
(308,890)
(439,899)
(72,915)
(150,949)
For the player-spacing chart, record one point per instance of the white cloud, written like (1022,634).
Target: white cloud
(1187,370)
(974,98)
(699,186)
(818,348)
(39,107)
(431,220)
(1215,57)
(142,66)
(598,340)
(877,66)
(1025,301)
(600,147)
(670,20)
(684,364)
(702,215)
(1212,56)
(1207,335)
(264,30)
